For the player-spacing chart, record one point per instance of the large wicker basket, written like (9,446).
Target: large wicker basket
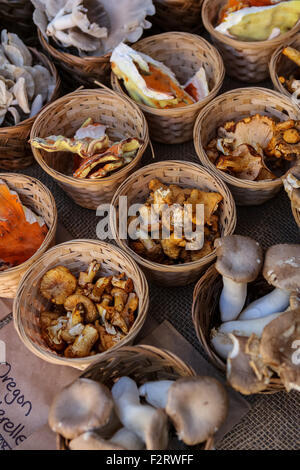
(75,255)
(245,61)
(77,70)
(185,175)
(178,15)
(235,105)
(184,54)
(65,116)
(280,65)
(37,197)
(206,315)
(15,152)
(142,364)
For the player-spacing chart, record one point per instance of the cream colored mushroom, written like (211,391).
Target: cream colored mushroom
(121,440)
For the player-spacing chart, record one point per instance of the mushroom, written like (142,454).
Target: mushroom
(58,284)
(148,423)
(197,406)
(83,343)
(82,406)
(20,92)
(239,261)
(282,270)
(285,142)
(120,298)
(91,313)
(121,440)
(291,181)
(88,276)
(278,347)
(36,105)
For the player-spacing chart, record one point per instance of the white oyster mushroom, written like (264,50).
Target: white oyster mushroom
(15,49)
(15,113)
(15,72)
(20,93)
(36,105)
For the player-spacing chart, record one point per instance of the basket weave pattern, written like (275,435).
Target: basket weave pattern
(37,197)
(235,105)
(178,15)
(65,116)
(76,256)
(245,61)
(184,54)
(185,175)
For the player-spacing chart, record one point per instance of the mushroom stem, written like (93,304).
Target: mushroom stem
(276,301)
(232,299)
(156,393)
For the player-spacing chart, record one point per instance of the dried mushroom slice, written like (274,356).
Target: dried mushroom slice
(58,284)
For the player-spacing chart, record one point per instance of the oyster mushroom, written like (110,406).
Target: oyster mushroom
(58,284)
(278,347)
(239,261)
(281,270)
(121,440)
(14,48)
(36,105)
(20,92)
(81,406)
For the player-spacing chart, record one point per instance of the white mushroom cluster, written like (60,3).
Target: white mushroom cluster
(91,417)
(93,27)
(24,87)
(248,332)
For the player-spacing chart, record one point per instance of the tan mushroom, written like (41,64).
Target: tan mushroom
(91,313)
(58,284)
(83,343)
(121,440)
(291,181)
(286,141)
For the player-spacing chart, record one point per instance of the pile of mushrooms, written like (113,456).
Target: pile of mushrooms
(93,27)
(91,417)
(258,340)
(24,87)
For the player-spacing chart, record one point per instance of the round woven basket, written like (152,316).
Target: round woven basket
(16,17)
(76,256)
(185,175)
(235,105)
(184,54)
(15,152)
(178,15)
(206,315)
(244,60)
(75,70)
(296,214)
(142,364)
(280,65)
(65,116)
(37,197)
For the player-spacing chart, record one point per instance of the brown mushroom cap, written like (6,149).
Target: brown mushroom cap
(81,406)
(278,347)
(238,258)
(282,267)
(92,441)
(197,407)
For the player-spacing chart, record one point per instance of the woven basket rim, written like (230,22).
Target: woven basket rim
(85,182)
(238,44)
(82,362)
(202,155)
(53,71)
(184,267)
(51,229)
(273,64)
(195,39)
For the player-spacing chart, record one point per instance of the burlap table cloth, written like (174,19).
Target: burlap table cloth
(274,421)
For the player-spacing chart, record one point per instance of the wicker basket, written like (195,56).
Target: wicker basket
(178,15)
(281,65)
(15,152)
(245,61)
(16,17)
(184,54)
(235,105)
(38,198)
(65,116)
(142,364)
(205,315)
(75,255)
(185,175)
(75,70)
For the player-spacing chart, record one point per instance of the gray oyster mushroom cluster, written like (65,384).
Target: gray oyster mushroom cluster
(24,87)
(259,339)
(91,417)
(93,27)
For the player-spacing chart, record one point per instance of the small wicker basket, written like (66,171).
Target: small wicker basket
(205,316)
(281,65)
(75,70)
(75,255)
(184,53)
(37,197)
(65,116)
(15,152)
(141,363)
(235,105)
(178,15)
(244,60)
(185,175)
